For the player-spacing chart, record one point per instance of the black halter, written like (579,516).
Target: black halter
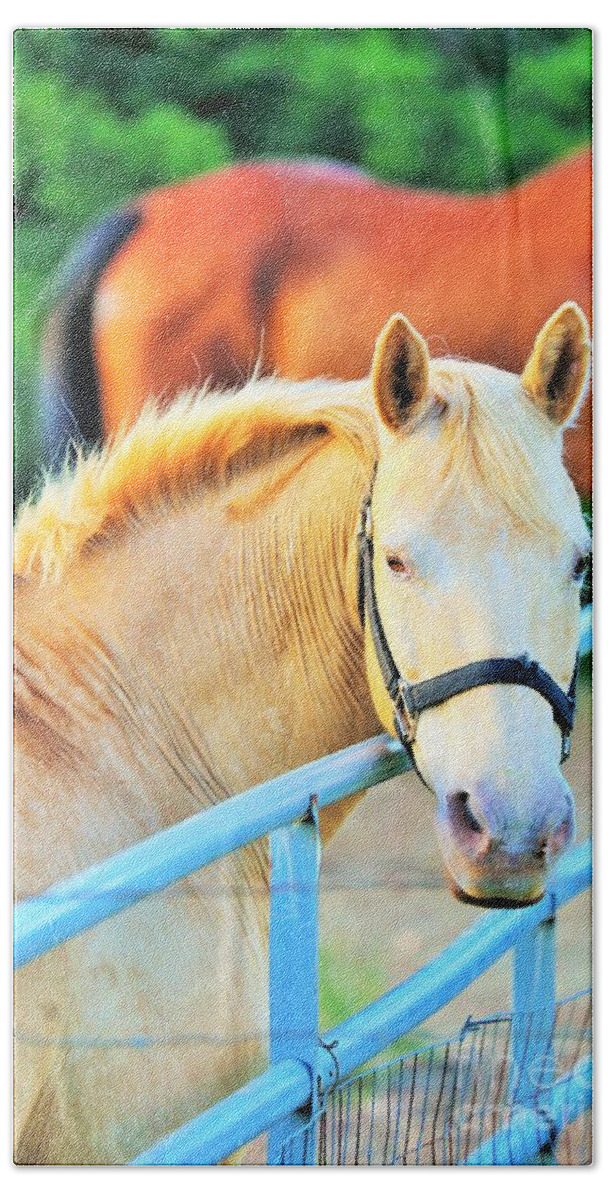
(411,699)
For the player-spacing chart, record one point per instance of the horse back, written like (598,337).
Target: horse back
(293,267)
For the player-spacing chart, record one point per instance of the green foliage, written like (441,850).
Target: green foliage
(103,114)
(70,146)
(449,108)
(76,160)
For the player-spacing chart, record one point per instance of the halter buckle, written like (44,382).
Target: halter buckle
(406,721)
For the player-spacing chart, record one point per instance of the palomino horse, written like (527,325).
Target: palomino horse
(296,267)
(188,625)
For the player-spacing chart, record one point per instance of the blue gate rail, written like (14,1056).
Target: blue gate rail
(79,903)
(303,1065)
(290,1085)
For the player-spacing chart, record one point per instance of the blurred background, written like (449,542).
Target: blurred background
(103,114)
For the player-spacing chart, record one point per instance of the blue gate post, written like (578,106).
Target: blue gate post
(295,857)
(532,1056)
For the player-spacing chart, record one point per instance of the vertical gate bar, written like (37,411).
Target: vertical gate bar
(295,856)
(532,1051)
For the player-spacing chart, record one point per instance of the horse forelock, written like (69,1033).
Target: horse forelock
(503,450)
(201,440)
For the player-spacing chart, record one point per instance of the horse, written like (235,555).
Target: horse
(188,625)
(293,267)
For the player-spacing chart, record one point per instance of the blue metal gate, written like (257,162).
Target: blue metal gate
(306,1063)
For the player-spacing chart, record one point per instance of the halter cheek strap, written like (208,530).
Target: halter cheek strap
(411,699)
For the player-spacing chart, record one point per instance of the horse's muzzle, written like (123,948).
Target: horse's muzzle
(498,846)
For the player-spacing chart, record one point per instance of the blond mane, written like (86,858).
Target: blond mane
(495,437)
(202,440)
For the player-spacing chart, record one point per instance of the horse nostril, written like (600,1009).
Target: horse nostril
(468,816)
(474,838)
(540,853)
(561,837)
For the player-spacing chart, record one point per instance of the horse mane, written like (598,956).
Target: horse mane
(202,440)
(496,441)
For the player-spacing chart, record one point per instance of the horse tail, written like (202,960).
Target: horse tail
(70,409)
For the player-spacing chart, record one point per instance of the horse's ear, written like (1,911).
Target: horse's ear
(400,373)
(557,371)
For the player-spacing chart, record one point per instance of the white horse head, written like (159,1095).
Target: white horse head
(479,552)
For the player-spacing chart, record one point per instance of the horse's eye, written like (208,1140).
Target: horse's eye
(579,567)
(401,566)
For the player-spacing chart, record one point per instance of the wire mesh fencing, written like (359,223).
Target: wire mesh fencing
(439,1105)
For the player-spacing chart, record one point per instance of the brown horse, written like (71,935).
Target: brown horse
(187,625)
(292,268)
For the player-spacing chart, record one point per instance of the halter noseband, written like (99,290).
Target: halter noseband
(411,699)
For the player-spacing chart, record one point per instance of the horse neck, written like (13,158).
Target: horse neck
(185,661)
